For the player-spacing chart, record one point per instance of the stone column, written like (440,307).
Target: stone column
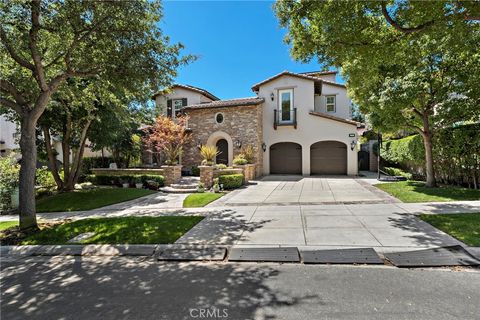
(206,176)
(172,174)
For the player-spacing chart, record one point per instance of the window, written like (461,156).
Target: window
(177,106)
(219,118)
(285,105)
(330,103)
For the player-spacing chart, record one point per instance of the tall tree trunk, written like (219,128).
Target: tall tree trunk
(427,142)
(72,179)
(51,158)
(67,132)
(28,148)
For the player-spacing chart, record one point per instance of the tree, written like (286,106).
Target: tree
(408,65)
(169,137)
(44,43)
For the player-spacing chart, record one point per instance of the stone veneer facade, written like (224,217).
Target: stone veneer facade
(241,123)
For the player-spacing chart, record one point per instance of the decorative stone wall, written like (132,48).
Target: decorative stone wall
(241,123)
(248,171)
(172,174)
(222,172)
(123,172)
(206,176)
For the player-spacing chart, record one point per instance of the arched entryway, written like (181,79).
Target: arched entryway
(328,157)
(222,157)
(223,141)
(286,158)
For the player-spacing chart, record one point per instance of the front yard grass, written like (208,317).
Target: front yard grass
(196,200)
(122,230)
(88,199)
(463,226)
(415,191)
(7,224)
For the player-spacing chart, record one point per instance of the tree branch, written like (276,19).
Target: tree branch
(33,34)
(11,104)
(10,88)
(21,61)
(400,28)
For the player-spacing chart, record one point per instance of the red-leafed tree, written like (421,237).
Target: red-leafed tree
(168,137)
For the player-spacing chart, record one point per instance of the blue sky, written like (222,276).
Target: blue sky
(238,43)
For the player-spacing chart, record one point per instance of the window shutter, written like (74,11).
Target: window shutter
(184,102)
(169,108)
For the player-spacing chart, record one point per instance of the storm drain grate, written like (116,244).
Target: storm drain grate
(342,256)
(192,254)
(287,254)
(437,257)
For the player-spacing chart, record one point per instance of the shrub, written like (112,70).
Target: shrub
(397,172)
(240,160)
(195,171)
(95,162)
(249,153)
(231,181)
(9,175)
(104,179)
(208,154)
(44,178)
(221,166)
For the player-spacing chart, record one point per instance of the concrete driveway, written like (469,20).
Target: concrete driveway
(385,227)
(291,190)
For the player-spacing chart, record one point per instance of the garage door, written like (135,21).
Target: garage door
(286,158)
(328,157)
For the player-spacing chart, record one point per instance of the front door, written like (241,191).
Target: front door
(222,146)
(285,105)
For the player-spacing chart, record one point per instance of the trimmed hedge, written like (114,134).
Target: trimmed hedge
(455,151)
(231,181)
(397,172)
(117,180)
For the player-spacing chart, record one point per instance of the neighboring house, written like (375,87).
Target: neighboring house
(299,123)
(8,136)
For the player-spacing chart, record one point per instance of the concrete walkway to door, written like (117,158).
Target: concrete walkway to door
(293,190)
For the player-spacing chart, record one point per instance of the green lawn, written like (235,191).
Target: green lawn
(88,199)
(200,199)
(415,191)
(463,226)
(124,230)
(7,224)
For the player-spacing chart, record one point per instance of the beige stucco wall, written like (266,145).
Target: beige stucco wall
(310,129)
(180,93)
(343,102)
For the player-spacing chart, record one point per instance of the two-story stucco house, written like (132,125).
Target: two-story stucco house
(298,123)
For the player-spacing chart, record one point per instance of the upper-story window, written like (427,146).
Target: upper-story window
(174,106)
(285,106)
(330,103)
(177,106)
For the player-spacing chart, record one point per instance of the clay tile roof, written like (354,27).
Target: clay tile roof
(334,83)
(319,72)
(191,88)
(227,103)
(327,116)
(285,73)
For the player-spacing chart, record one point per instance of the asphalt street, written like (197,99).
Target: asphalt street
(140,288)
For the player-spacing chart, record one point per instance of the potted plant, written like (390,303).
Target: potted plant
(201,187)
(208,154)
(138,182)
(125,183)
(216,186)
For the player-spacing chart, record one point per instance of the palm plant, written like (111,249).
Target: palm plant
(208,154)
